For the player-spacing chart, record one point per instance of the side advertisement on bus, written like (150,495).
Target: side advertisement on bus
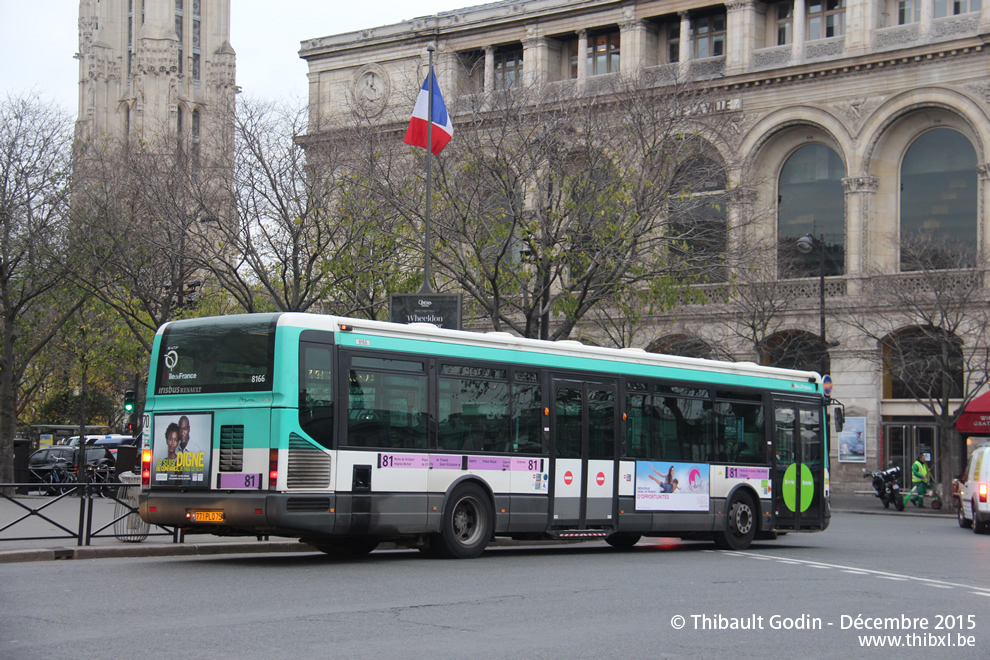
(671,486)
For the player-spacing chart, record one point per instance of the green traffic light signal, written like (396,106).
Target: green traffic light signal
(129,401)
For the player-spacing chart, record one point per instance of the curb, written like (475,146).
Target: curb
(170,550)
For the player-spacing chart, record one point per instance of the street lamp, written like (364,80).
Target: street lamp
(805,245)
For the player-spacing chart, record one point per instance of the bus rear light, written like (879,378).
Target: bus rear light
(146,467)
(272,468)
(258,512)
(983,492)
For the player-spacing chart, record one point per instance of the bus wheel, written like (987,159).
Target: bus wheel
(740,525)
(355,547)
(623,541)
(467,524)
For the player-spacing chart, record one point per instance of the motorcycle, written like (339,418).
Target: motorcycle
(887,485)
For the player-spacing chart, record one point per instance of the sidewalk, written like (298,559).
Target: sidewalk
(868,503)
(44,547)
(48,541)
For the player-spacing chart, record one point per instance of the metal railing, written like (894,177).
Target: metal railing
(123,526)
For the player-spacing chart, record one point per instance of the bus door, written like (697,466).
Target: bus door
(799,465)
(583,454)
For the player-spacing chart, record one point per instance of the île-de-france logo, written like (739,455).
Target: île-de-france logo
(171,359)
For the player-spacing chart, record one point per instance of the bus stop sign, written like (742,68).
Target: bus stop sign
(827,385)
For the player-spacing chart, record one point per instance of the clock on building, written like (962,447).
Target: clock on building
(371,89)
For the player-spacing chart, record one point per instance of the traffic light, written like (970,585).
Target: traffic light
(129,401)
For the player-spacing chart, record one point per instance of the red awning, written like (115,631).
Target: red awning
(975,420)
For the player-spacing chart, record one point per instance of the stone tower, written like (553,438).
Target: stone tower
(154,69)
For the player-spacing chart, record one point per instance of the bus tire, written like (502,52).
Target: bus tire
(623,541)
(353,547)
(466,525)
(740,525)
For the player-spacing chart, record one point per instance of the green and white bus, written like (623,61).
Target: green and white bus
(345,433)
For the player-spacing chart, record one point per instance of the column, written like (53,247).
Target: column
(632,43)
(536,65)
(684,50)
(859,192)
(490,69)
(858,26)
(741,21)
(800,31)
(739,220)
(582,58)
(983,203)
(927,17)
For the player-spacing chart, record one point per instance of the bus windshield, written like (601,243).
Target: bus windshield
(232,354)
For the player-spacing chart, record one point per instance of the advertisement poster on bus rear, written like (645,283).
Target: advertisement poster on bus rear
(671,486)
(182,450)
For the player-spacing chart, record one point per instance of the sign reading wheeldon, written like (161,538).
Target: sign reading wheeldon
(441,309)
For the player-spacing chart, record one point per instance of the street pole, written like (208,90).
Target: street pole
(426,288)
(805,245)
(823,356)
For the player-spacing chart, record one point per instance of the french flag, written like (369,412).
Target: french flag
(443,129)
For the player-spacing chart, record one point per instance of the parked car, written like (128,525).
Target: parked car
(974,499)
(43,461)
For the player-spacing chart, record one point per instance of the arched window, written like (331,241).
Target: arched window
(810,200)
(795,349)
(939,202)
(922,362)
(698,217)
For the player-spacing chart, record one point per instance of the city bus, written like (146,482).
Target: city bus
(345,433)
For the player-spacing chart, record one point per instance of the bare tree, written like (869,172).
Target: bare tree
(932,332)
(35,159)
(137,219)
(301,231)
(550,203)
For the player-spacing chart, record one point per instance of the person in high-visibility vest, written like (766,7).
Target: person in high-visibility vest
(919,481)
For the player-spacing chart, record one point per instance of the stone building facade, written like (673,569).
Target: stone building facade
(154,67)
(866,119)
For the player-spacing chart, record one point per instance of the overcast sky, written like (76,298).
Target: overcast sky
(38,39)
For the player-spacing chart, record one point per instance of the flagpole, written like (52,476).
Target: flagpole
(426,288)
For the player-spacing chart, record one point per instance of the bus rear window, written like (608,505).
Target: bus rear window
(222,354)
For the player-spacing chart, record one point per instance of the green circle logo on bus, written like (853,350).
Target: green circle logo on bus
(790,487)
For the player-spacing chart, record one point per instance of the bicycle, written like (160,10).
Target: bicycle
(59,478)
(103,479)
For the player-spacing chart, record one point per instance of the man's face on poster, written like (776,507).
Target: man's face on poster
(183,432)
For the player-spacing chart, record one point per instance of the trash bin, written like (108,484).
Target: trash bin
(128,526)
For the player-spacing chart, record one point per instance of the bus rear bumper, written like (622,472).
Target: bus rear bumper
(242,513)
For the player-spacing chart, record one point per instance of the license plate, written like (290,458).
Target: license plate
(206,516)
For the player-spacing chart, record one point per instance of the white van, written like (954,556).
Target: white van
(974,498)
(92,439)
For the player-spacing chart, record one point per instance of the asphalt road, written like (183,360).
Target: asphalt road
(920,582)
